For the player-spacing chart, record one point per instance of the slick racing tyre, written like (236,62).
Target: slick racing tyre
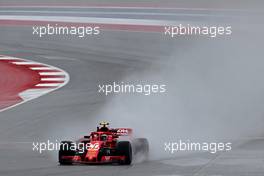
(66,150)
(124,148)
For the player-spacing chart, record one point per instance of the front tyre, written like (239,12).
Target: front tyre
(66,150)
(124,148)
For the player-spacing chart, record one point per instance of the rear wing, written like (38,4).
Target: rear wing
(123,131)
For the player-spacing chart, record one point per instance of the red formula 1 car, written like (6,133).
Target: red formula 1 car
(104,146)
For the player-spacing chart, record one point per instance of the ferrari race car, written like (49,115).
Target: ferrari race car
(104,145)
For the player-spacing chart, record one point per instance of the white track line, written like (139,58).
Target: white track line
(25,63)
(50,73)
(52,79)
(93,20)
(114,13)
(129,7)
(31,93)
(48,85)
(41,68)
(5,58)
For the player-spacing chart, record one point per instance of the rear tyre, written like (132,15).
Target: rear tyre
(124,148)
(66,150)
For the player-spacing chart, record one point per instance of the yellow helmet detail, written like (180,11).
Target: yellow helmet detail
(104,124)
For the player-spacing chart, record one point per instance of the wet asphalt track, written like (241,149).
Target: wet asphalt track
(90,62)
